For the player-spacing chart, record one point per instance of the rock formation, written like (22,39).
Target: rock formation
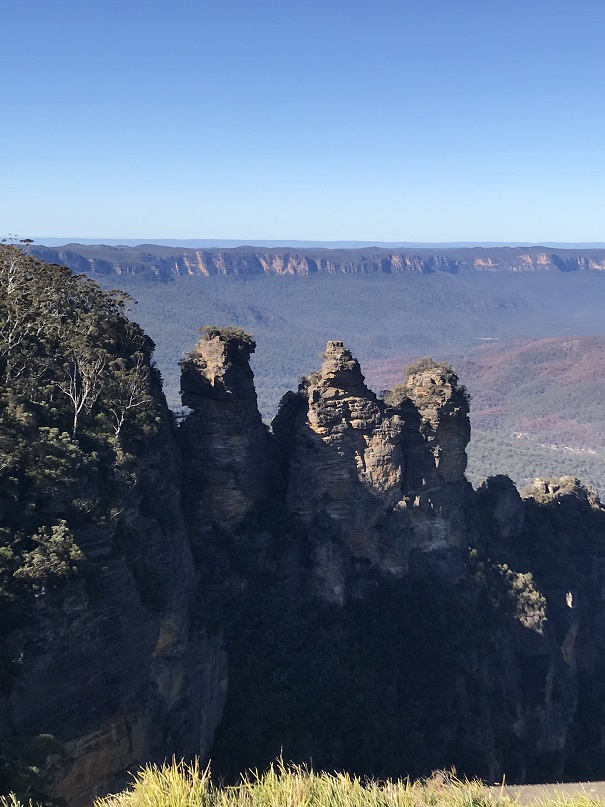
(163,263)
(345,466)
(377,489)
(231,458)
(375,612)
(372,479)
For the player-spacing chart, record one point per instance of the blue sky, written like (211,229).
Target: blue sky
(442,120)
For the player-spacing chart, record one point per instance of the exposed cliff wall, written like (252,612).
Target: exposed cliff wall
(337,581)
(232,463)
(371,479)
(103,662)
(166,262)
(556,531)
(344,471)
(430,632)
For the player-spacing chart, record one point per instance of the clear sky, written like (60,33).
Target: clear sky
(400,120)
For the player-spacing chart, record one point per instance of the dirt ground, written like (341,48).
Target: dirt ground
(530,794)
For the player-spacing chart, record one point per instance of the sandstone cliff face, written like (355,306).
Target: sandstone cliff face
(114,664)
(344,473)
(437,432)
(166,262)
(231,458)
(373,481)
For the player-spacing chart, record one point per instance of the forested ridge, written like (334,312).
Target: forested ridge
(77,394)
(78,402)
(165,262)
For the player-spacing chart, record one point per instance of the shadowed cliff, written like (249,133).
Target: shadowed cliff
(103,662)
(430,631)
(332,589)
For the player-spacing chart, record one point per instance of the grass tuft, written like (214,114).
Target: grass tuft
(179,784)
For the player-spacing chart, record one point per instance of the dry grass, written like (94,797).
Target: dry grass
(182,785)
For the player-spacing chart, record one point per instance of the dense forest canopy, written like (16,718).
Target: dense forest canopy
(77,393)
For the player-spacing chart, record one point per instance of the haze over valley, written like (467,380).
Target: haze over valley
(512,321)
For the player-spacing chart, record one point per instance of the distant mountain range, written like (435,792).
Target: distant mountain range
(197,243)
(158,262)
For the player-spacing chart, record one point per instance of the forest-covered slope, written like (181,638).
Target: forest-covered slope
(97,645)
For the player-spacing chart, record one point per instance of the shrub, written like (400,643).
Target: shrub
(55,558)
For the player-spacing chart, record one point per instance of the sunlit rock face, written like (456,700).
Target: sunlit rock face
(161,262)
(345,467)
(373,480)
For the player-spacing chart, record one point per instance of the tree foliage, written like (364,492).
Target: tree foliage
(445,370)
(55,557)
(78,392)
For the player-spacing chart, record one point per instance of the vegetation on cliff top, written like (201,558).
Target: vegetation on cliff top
(229,334)
(77,390)
(440,374)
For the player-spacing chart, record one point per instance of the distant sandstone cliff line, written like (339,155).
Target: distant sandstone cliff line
(164,263)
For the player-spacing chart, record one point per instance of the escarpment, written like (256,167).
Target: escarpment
(164,263)
(332,589)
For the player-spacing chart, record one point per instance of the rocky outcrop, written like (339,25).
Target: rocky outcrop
(391,523)
(435,410)
(555,533)
(373,611)
(163,263)
(232,464)
(344,471)
(375,480)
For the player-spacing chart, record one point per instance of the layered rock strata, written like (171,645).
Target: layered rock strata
(375,479)
(168,262)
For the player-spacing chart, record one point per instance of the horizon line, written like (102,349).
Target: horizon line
(55,241)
